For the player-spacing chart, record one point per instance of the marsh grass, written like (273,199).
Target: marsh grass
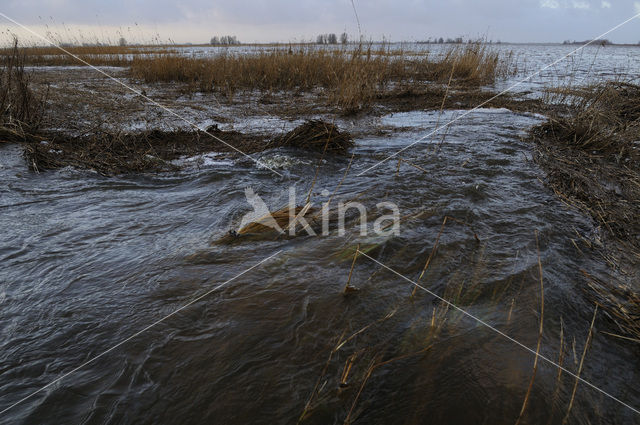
(591,157)
(21,109)
(606,118)
(97,55)
(350,79)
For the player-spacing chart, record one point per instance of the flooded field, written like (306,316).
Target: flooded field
(89,261)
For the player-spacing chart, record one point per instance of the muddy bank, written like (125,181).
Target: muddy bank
(591,162)
(437,98)
(591,158)
(153,151)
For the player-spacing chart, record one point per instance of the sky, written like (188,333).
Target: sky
(197,21)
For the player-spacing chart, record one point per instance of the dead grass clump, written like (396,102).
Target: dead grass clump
(112,153)
(605,120)
(620,301)
(315,135)
(115,153)
(21,110)
(591,158)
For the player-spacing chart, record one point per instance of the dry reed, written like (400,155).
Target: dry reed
(348,288)
(21,110)
(591,158)
(351,79)
(584,354)
(535,362)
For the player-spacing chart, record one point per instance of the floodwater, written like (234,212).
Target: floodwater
(90,262)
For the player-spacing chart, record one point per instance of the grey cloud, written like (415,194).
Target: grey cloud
(266,20)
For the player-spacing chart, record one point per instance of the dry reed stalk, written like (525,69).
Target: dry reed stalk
(370,370)
(621,337)
(446,131)
(342,342)
(435,246)
(621,302)
(411,164)
(307,406)
(433,251)
(348,288)
(535,362)
(344,176)
(347,369)
(444,99)
(556,393)
(464,223)
(584,353)
(375,364)
(513,302)
(315,177)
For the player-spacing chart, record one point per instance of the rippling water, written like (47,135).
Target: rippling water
(89,261)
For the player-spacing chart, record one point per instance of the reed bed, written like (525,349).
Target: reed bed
(21,109)
(591,157)
(620,301)
(98,55)
(351,79)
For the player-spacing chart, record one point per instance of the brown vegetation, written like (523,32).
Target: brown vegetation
(351,79)
(21,110)
(113,153)
(117,153)
(98,55)
(591,160)
(591,157)
(315,135)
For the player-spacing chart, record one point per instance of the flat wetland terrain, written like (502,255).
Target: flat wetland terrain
(509,293)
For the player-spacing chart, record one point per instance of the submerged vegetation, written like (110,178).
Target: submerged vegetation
(590,155)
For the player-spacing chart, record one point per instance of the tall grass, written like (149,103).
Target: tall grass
(349,78)
(21,110)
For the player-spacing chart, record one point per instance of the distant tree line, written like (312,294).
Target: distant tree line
(332,38)
(227,40)
(600,42)
(441,40)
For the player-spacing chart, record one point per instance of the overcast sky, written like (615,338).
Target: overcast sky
(279,20)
